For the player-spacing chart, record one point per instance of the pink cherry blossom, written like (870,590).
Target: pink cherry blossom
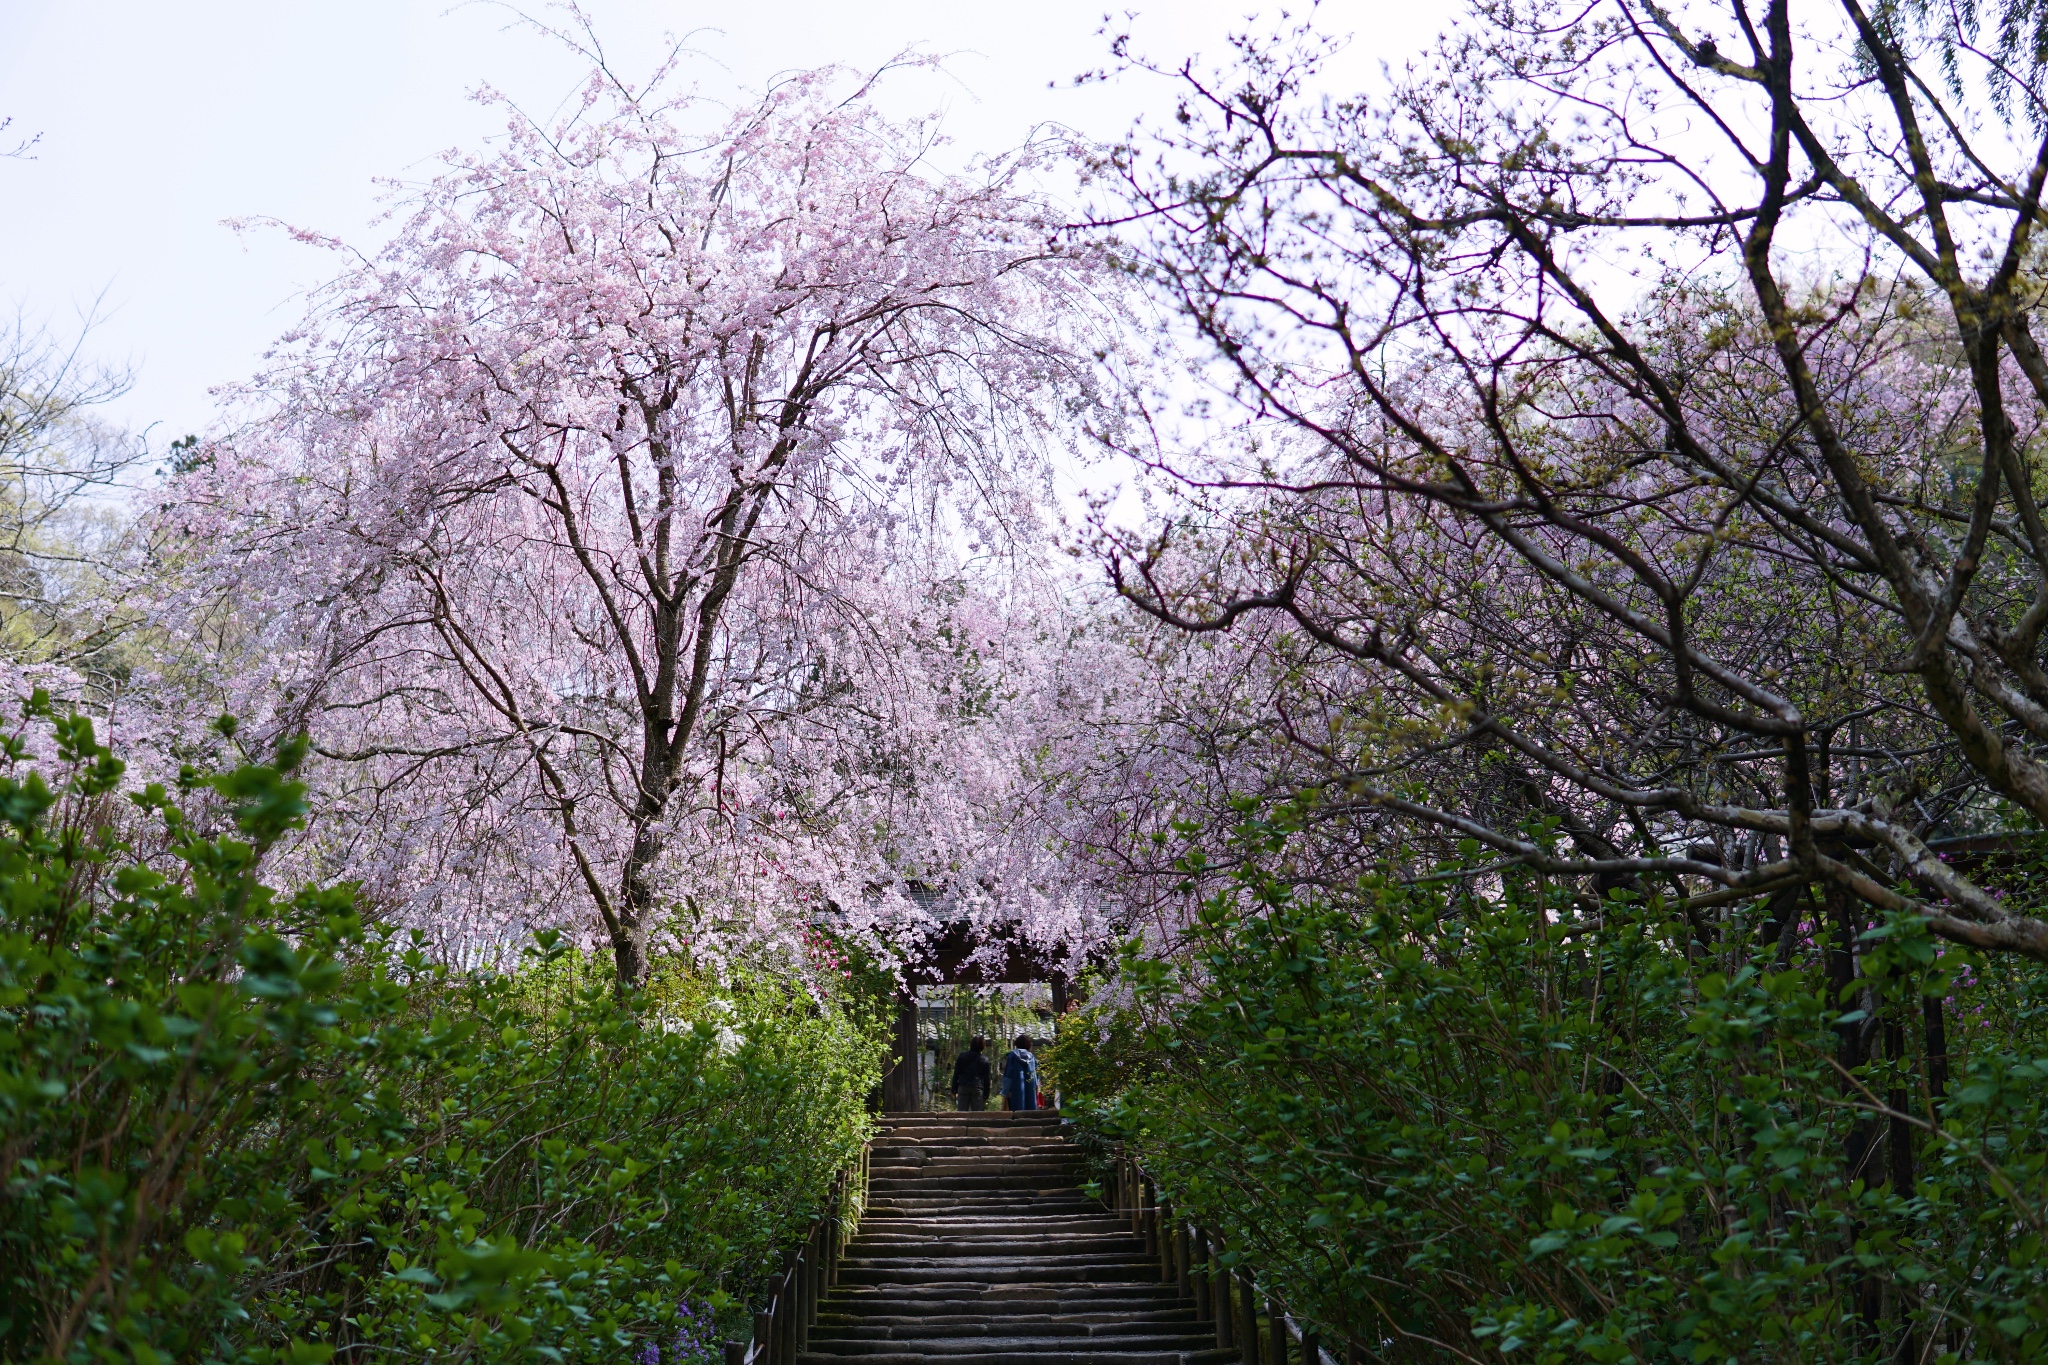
(614,530)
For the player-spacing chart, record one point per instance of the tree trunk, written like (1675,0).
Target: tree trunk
(635,908)
(1937,1053)
(629,954)
(1899,1149)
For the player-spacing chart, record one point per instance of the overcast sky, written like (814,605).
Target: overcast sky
(159,121)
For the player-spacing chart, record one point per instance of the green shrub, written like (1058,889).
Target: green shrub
(236,1125)
(1449,1125)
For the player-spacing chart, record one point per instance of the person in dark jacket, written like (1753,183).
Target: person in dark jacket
(1020,1075)
(970,1078)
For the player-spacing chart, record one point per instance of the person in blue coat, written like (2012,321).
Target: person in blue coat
(1020,1075)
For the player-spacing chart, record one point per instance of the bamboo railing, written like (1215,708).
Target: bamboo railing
(1188,1259)
(782,1328)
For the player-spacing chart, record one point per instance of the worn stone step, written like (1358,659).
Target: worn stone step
(965,1276)
(1038,1123)
(964,1183)
(1023,1240)
(970,1193)
(985,1296)
(1061,1227)
(984,1302)
(1025,1353)
(1023,1211)
(979,1174)
(969,1159)
(892,1135)
(1012,1341)
(978,1322)
(1032,1139)
(1114,1258)
(1008,1329)
(1051,1149)
(1102,1327)
(1125,1246)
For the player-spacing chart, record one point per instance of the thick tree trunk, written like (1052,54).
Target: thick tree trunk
(635,911)
(629,955)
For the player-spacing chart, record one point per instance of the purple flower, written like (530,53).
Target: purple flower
(696,1334)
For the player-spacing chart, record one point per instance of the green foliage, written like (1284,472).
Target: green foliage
(1431,1117)
(241,1126)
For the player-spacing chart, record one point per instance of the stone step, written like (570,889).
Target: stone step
(968,1176)
(1169,1339)
(990,1132)
(982,1230)
(965,1220)
(963,1276)
(986,1206)
(1036,1121)
(977,1321)
(984,1297)
(1112,1257)
(976,1176)
(967,1142)
(1074,1172)
(933,1186)
(956,1154)
(1194,1351)
(1010,1246)
(1104,1327)
(986,1302)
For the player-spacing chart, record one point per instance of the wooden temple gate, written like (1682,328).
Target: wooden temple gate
(949,961)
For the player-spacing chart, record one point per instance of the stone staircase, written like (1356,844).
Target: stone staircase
(979,1245)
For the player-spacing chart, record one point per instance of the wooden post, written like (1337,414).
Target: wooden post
(1159,1231)
(1148,1204)
(807,1271)
(764,1335)
(1181,1282)
(1276,1332)
(787,1310)
(1219,1295)
(1198,1272)
(1248,1324)
(1311,1348)
(821,1238)
(841,1204)
(735,1353)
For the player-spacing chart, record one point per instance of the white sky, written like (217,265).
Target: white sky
(158,121)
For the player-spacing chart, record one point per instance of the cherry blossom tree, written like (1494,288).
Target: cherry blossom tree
(631,510)
(1644,402)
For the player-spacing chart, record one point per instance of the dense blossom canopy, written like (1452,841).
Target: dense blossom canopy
(647,534)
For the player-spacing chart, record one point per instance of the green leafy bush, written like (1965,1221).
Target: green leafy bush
(238,1125)
(1449,1125)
